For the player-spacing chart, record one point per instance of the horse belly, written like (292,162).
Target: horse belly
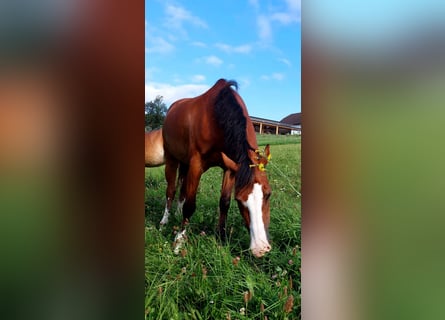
(177,141)
(178,149)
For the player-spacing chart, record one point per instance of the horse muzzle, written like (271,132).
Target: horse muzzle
(260,250)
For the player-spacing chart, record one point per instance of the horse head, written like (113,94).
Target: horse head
(253,198)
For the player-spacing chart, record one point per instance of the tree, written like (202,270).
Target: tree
(155,112)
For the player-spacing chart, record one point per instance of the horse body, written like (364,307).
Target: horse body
(154,148)
(214,129)
(192,138)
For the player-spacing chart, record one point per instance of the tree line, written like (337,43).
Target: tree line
(155,112)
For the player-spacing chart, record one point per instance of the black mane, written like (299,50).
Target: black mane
(230,118)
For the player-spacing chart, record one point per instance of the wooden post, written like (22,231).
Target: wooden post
(261,127)
(276,131)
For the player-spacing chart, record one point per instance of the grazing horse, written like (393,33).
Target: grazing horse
(214,129)
(154,148)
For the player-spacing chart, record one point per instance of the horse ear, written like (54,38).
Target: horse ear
(267,152)
(229,163)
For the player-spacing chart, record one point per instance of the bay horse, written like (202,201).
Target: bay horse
(214,129)
(154,148)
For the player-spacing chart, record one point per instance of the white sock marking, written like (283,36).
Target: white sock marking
(179,208)
(165,217)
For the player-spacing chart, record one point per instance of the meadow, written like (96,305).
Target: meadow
(214,280)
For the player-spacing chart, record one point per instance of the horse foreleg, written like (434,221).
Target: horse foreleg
(171,167)
(224,202)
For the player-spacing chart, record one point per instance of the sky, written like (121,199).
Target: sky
(370,27)
(189,45)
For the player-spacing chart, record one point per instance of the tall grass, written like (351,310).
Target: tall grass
(210,280)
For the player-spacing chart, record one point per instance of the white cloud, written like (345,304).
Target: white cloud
(245,48)
(150,72)
(198,78)
(199,44)
(294,5)
(291,14)
(212,60)
(254,3)
(285,61)
(244,82)
(171,93)
(264,29)
(177,15)
(274,76)
(177,78)
(286,17)
(159,45)
(277,76)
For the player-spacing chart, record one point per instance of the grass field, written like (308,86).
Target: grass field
(210,280)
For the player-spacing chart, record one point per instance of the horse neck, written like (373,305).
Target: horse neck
(250,132)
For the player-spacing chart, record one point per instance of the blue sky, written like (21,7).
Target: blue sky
(189,45)
(370,27)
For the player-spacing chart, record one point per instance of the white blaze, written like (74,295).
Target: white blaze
(258,238)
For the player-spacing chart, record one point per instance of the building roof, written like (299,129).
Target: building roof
(257,120)
(293,118)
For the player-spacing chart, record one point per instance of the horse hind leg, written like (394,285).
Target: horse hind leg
(183,170)
(188,190)
(171,166)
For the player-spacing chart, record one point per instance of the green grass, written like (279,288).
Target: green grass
(210,280)
(264,139)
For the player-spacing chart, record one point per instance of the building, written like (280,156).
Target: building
(293,119)
(285,126)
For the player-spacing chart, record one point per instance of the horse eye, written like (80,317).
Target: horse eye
(267,195)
